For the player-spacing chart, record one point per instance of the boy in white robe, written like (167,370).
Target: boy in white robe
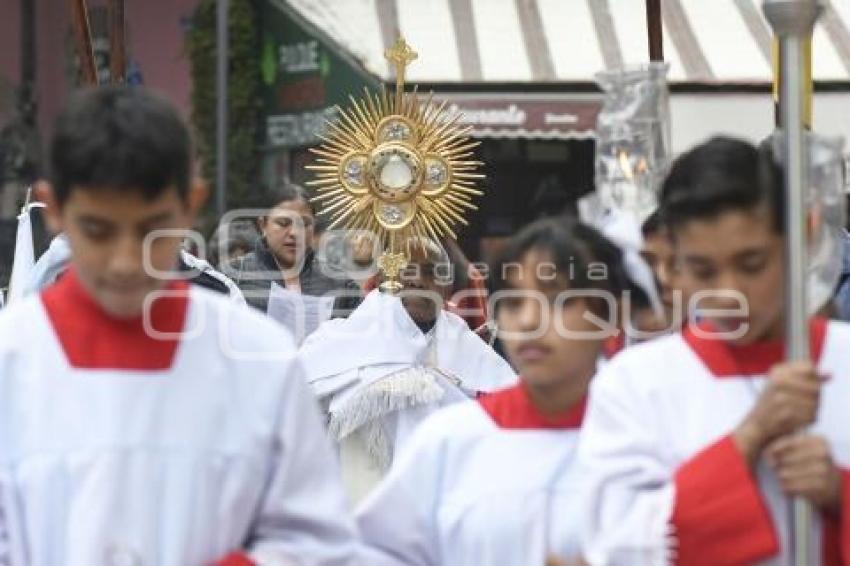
(143,421)
(495,483)
(392,362)
(691,441)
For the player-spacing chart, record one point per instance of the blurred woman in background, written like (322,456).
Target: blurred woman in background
(284,255)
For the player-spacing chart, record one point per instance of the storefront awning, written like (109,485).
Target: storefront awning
(335,48)
(519,41)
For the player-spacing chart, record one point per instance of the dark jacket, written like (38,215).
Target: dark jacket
(203,279)
(315,280)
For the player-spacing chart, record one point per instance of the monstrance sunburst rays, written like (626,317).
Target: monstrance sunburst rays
(397,167)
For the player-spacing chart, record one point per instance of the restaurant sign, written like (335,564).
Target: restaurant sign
(518,116)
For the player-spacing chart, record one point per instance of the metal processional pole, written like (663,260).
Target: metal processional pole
(792,22)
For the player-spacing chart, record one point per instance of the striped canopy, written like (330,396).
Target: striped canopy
(517,41)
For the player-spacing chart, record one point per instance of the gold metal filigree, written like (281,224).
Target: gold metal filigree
(398,167)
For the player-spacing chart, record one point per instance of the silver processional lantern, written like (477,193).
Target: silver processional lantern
(825,214)
(632,155)
(632,138)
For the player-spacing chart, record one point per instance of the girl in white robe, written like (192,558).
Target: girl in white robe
(495,482)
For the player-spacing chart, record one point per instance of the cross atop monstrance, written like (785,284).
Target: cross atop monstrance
(400,55)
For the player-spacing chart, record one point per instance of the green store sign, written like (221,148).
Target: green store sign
(304,77)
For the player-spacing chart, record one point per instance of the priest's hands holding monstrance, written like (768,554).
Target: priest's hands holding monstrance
(801,462)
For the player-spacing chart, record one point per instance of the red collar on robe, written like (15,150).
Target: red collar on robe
(726,360)
(512,408)
(93,339)
(614,345)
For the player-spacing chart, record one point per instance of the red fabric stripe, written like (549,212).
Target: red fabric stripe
(512,408)
(836,530)
(726,360)
(719,517)
(614,345)
(92,339)
(844,521)
(236,559)
(474,304)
